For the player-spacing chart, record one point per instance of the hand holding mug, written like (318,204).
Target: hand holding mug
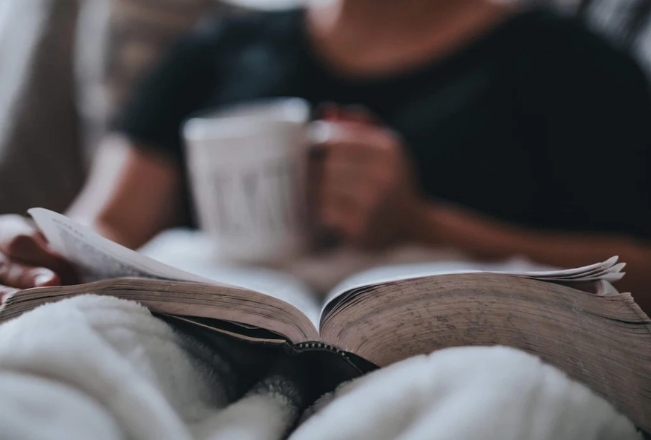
(366,188)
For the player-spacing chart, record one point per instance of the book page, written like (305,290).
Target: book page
(193,251)
(605,271)
(602,341)
(97,258)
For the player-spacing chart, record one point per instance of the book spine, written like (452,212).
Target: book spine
(322,346)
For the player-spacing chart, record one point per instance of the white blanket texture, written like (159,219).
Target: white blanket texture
(106,369)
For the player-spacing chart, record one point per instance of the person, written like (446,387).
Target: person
(486,126)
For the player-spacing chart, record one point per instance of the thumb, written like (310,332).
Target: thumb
(357,114)
(21,276)
(43,277)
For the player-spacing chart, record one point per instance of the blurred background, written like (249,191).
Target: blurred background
(66,65)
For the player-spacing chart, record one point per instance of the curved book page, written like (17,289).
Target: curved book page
(607,271)
(602,341)
(223,303)
(98,258)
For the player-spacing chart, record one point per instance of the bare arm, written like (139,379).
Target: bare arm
(131,194)
(368,197)
(490,238)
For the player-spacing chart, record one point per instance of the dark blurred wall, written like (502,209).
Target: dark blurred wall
(40,163)
(139,31)
(62,74)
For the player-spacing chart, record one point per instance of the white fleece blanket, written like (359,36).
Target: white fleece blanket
(105,369)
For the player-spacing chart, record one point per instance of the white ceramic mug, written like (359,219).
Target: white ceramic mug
(248,170)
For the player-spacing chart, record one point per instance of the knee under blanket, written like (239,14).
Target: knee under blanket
(103,368)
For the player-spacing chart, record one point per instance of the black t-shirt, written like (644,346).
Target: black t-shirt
(537,122)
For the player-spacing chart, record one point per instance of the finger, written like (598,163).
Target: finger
(355,173)
(344,151)
(355,141)
(361,199)
(344,173)
(340,215)
(323,131)
(21,276)
(19,239)
(329,111)
(29,248)
(358,114)
(346,208)
(359,182)
(22,243)
(17,226)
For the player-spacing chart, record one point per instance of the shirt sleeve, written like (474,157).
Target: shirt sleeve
(594,131)
(153,116)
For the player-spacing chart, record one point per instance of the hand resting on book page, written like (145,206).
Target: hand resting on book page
(97,258)
(26,259)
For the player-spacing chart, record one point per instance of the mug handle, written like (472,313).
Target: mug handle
(318,133)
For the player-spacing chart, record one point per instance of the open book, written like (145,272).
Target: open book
(574,319)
